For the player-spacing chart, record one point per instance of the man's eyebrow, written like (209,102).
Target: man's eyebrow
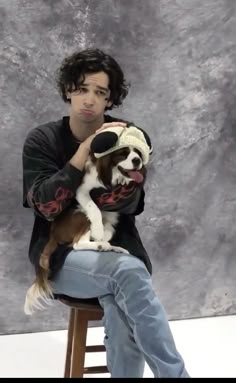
(102,88)
(97,86)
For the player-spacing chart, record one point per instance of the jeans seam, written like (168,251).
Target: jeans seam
(87,272)
(109,278)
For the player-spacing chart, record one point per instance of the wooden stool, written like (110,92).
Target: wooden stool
(81,312)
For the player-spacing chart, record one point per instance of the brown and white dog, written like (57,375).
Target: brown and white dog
(87,227)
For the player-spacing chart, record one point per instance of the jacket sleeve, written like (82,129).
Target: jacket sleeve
(125,199)
(140,204)
(135,205)
(47,188)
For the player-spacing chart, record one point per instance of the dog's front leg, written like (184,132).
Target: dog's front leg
(110,220)
(94,215)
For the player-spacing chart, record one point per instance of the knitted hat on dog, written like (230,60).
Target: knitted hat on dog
(114,138)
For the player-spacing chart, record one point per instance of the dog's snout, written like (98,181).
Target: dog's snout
(136,161)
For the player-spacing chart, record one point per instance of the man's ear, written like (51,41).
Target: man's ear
(109,103)
(68,95)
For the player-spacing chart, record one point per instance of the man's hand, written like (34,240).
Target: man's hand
(80,157)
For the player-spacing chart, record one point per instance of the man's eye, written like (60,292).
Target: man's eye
(101,93)
(80,90)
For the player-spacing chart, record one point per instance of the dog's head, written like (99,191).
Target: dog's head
(121,154)
(121,167)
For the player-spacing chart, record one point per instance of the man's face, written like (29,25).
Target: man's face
(89,101)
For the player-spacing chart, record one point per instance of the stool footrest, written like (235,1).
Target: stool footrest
(100,348)
(81,312)
(95,369)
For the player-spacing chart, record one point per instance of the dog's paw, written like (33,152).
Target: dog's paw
(91,245)
(118,249)
(97,231)
(106,246)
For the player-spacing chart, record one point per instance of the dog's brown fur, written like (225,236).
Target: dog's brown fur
(68,228)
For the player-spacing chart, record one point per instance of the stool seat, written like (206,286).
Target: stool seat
(81,312)
(91,304)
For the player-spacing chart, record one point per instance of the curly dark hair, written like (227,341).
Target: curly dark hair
(71,74)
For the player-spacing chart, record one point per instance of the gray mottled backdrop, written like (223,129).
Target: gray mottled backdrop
(181,61)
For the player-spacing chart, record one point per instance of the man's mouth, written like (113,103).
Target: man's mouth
(134,174)
(87,112)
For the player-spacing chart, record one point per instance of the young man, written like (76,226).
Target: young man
(54,155)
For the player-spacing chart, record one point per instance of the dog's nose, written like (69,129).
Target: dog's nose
(136,161)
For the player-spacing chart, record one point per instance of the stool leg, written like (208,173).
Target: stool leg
(69,344)
(79,344)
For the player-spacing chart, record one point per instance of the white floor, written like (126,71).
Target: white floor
(207,345)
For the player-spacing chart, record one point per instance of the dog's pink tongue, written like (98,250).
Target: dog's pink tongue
(136,176)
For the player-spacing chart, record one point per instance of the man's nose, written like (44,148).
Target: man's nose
(89,99)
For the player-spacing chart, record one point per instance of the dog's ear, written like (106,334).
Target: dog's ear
(104,170)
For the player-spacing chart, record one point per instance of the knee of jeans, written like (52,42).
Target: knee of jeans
(130,276)
(131,267)
(132,262)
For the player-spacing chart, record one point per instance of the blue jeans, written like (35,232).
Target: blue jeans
(135,323)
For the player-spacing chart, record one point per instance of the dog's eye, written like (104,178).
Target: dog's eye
(139,153)
(120,157)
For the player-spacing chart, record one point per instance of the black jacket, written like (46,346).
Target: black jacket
(49,186)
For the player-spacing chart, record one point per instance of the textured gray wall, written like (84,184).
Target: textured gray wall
(180,59)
